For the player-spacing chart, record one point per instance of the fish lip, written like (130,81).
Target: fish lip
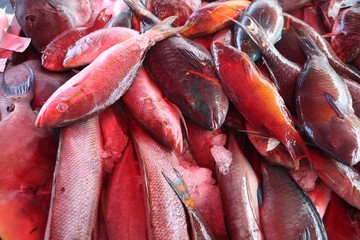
(39,121)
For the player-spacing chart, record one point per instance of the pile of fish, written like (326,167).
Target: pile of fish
(164,119)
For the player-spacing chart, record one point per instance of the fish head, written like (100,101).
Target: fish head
(52,58)
(164,9)
(341,138)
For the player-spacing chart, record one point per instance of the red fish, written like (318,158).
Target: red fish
(89,47)
(102,82)
(263,108)
(287,212)
(42,20)
(54,54)
(324,107)
(125,207)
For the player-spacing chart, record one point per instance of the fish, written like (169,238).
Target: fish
(213,17)
(336,5)
(263,108)
(165,8)
(269,15)
(161,118)
(184,72)
(341,179)
(239,187)
(42,20)
(321,197)
(54,53)
(88,48)
(340,67)
(102,82)
(345,35)
(77,182)
(312,18)
(166,217)
(28,153)
(291,5)
(284,73)
(324,107)
(124,212)
(287,212)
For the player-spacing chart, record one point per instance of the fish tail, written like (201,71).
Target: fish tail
(24,88)
(307,44)
(145,16)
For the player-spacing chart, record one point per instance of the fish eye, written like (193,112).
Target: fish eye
(62,107)
(162,13)
(30,18)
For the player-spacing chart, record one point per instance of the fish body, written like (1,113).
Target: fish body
(54,53)
(247,88)
(324,108)
(238,189)
(89,47)
(291,5)
(346,37)
(269,15)
(77,182)
(287,212)
(42,20)
(165,214)
(103,81)
(161,118)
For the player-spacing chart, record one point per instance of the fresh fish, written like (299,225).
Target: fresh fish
(287,212)
(166,217)
(263,108)
(124,205)
(166,8)
(239,187)
(184,72)
(342,179)
(77,182)
(42,20)
(269,15)
(312,17)
(321,196)
(89,47)
(122,19)
(161,118)
(336,5)
(345,34)
(291,5)
(102,82)
(284,72)
(54,53)
(212,17)
(324,45)
(324,107)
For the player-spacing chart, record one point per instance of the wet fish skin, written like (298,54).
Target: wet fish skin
(102,82)
(77,182)
(287,212)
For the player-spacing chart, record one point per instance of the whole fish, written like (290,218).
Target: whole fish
(41,20)
(239,187)
(89,47)
(324,107)
(212,17)
(263,108)
(124,205)
(166,8)
(54,53)
(77,182)
(269,15)
(165,213)
(345,34)
(184,72)
(342,179)
(104,81)
(287,212)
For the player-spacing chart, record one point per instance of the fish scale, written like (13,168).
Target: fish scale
(77,182)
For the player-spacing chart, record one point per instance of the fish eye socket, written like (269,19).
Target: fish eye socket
(162,13)
(62,107)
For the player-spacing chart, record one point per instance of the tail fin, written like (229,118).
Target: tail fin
(165,29)
(27,87)
(145,16)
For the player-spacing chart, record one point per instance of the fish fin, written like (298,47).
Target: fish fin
(251,203)
(306,234)
(197,74)
(27,87)
(327,35)
(272,75)
(307,44)
(332,103)
(189,56)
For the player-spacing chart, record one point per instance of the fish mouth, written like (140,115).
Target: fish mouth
(39,121)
